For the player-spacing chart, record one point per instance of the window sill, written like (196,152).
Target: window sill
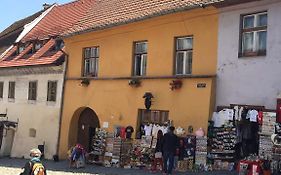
(31,101)
(251,54)
(51,103)
(182,75)
(11,100)
(138,76)
(187,76)
(90,76)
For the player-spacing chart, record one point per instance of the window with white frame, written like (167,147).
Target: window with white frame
(32,90)
(140,58)
(91,60)
(52,91)
(37,46)
(184,49)
(21,49)
(1,89)
(12,88)
(253,34)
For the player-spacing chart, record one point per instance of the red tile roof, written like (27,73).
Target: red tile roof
(56,22)
(59,20)
(108,13)
(37,58)
(11,33)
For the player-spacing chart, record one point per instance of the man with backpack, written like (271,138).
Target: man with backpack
(34,166)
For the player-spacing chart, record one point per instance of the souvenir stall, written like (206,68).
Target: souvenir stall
(187,150)
(221,145)
(118,149)
(98,147)
(276,150)
(242,134)
(201,152)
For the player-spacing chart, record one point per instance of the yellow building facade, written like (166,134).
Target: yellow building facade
(111,101)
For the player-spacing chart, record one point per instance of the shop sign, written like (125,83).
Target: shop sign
(201,85)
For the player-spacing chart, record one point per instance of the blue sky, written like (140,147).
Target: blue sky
(14,10)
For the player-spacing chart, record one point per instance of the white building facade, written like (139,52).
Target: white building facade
(37,119)
(249,59)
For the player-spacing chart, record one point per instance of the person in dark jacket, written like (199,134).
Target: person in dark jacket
(35,155)
(169,146)
(159,144)
(158,158)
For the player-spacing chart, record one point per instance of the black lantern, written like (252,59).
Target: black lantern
(147,100)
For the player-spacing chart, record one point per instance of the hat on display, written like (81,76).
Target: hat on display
(275,139)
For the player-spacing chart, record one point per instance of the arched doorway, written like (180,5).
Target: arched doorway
(82,128)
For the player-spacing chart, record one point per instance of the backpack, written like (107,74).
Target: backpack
(38,169)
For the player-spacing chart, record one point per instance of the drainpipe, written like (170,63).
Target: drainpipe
(62,102)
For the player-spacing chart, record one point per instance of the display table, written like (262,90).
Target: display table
(247,167)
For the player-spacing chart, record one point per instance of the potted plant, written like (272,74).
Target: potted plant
(134,82)
(175,84)
(85,82)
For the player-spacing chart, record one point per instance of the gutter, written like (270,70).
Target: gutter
(62,103)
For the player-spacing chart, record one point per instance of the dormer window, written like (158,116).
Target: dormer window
(37,46)
(59,44)
(21,48)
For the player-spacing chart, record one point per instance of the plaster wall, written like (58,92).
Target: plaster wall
(117,103)
(248,80)
(40,115)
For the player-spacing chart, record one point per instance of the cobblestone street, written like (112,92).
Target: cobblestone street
(13,167)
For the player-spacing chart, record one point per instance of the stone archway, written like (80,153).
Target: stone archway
(82,127)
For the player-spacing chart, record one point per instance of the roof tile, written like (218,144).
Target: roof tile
(36,59)
(59,20)
(107,13)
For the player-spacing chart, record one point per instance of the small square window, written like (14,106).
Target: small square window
(32,132)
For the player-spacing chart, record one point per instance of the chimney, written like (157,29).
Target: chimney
(45,6)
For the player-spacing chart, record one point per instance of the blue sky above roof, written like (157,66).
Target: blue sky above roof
(14,10)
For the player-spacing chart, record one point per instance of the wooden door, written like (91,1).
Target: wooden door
(87,123)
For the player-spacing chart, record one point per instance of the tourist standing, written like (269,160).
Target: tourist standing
(170,146)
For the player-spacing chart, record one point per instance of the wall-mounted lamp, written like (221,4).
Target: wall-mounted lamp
(147,99)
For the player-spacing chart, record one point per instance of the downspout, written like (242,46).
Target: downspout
(62,103)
